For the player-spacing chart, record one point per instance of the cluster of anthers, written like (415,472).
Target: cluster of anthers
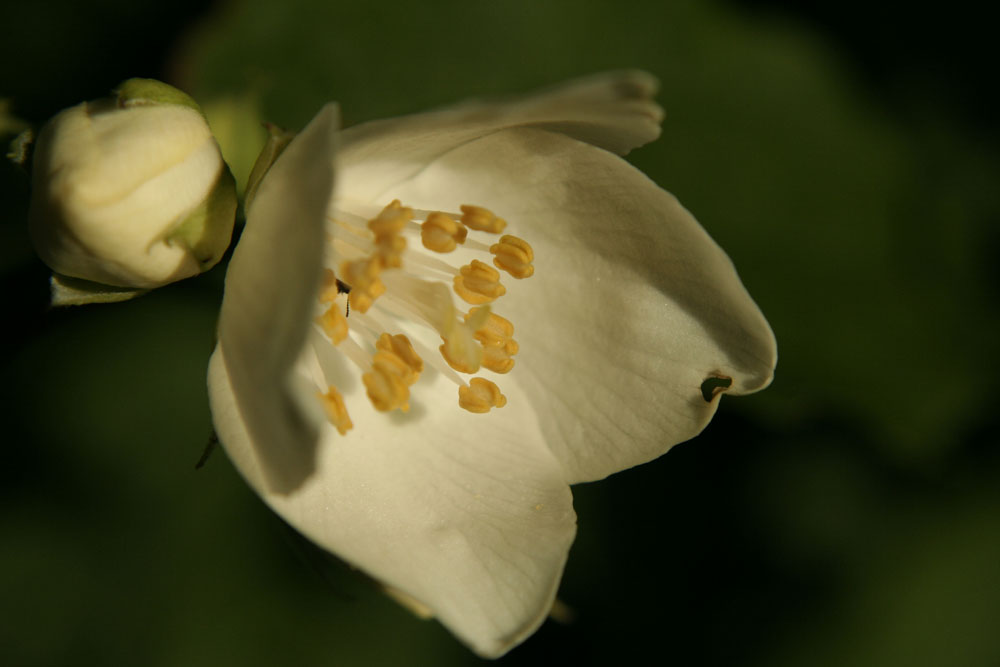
(411,286)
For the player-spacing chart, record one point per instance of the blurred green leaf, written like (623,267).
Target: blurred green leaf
(238,126)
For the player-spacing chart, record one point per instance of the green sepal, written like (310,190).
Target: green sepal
(67,291)
(150,92)
(207,230)
(277,140)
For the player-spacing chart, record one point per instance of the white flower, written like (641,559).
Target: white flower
(631,308)
(131,191)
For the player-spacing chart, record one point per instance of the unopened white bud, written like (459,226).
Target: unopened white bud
(131,191)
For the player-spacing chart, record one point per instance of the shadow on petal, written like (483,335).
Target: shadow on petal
(282,439)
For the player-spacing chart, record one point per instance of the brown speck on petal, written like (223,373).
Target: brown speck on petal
(715,385)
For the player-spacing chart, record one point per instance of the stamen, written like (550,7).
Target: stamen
(395,367)
(336,411)
(479,283)
(480,396)
(481,219)
(429,266)
(371,250)
(441,233)
(387,226)
(348,219)
(386,387)
(354,352)
(499,359)
(403,308)
(422,300)
(362,276)
(495,333)
(334,324)
(401,346)
(461,349)
(353,249)
(514,256)
(355,230)
(391,220)
(490,330)
(389,251)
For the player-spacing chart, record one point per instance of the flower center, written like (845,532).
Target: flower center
(388,293)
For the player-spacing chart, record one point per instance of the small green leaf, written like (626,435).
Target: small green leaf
(68,291)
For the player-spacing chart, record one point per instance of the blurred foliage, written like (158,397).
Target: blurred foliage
(847,515)
(238,127)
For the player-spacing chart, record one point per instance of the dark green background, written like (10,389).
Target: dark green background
(847,159)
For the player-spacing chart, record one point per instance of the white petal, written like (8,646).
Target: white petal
(632,305)
(468,514)
(270,291)
(612,110)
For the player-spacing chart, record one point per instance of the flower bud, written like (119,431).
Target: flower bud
(131,191)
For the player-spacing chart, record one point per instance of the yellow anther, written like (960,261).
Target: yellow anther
(391,220)
(388,382)
(514,256)
(334,324)
(462,353)
(362,276)
(498,358)
(401,347)
(477,318)
(360,273)
(392,364)
(389,251)
(494,330)
(395,367)
(480,396)
(481,219)
(336,411)
(441,233)
(461,349)
(386,226)
(362,301)
(479,283)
